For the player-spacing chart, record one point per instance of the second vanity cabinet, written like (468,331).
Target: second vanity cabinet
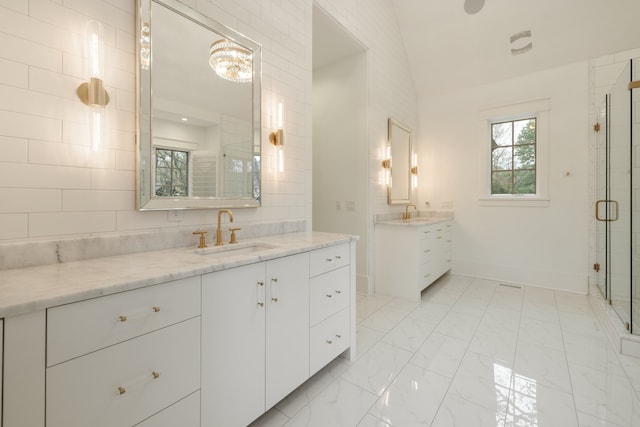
(410,256)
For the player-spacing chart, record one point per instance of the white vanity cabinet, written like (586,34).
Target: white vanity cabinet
(329,305)
(255,338)
(217,348)
(120,359)
(1,365)
(411,256)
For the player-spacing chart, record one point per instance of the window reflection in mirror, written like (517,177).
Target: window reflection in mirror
(199,134)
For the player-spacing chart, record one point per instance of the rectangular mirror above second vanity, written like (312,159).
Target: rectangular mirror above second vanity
(198,139)
(399,189)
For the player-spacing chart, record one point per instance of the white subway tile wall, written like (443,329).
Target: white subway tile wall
(53,185)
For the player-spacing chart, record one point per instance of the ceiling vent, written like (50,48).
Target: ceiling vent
(524,36)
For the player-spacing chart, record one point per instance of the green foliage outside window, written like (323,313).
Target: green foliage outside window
(172,173)
(513,157)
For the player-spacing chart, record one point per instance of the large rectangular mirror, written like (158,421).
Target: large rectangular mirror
(399,189)
(198,116)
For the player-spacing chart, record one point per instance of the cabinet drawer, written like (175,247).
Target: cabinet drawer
(125,383)
(185,413)
(328,340)
(329,294)
(329,258)
(82,327)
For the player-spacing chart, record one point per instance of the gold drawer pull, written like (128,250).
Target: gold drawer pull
(337,337)
(329,296)
(155,375)
(122,318)
(338,257)
(121,390)
(329,259)
(156,309)
(338,292)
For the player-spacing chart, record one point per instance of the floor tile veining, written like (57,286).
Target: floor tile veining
(473,353)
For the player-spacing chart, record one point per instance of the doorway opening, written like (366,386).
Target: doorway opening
(340,137)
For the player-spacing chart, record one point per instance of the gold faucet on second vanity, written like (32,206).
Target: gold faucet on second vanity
(219,232)
(407,215)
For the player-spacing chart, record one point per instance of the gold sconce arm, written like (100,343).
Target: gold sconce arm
(277,137)
(93,93)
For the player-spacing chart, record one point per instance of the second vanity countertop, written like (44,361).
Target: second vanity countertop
(416,221)
(35,288)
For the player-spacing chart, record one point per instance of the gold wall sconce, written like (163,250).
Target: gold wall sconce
(386,166)
(414,170)
(92,93)
(277,136)
(277,139)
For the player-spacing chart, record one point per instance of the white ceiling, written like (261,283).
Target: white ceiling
(449,49)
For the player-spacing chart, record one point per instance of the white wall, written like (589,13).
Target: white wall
(52,185)
(340,154)
(541,246)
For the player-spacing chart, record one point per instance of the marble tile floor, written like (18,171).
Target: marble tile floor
(473,353)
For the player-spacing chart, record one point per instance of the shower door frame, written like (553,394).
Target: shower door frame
(618,202)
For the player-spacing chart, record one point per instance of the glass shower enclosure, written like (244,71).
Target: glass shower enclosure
(617,209)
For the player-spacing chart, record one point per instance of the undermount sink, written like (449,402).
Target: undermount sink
(229,249)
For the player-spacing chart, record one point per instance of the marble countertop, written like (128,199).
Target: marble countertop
(416,221)
(31,289)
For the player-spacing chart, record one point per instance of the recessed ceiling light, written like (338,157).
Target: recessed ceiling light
(184,119)
(473,6)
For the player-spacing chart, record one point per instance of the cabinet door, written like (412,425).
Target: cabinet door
(233,346)
(287,325)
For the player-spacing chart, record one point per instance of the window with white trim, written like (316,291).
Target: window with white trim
(515,163)
(513,156)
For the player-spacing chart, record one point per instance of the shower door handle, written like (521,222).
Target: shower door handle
(615,210)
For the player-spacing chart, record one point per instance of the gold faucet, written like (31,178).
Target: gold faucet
(219,232)
(407,215)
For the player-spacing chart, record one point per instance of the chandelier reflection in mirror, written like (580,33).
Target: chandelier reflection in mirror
(231,61)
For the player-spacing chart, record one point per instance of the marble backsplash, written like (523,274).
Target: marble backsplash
(30,254)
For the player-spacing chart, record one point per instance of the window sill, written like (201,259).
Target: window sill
(515,201)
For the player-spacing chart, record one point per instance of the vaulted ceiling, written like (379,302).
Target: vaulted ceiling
(450,46)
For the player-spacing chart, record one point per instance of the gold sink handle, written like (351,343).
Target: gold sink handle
(202,243)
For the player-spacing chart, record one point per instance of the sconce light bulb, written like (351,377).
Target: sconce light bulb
(96,128)
(95,49)
(280,160)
